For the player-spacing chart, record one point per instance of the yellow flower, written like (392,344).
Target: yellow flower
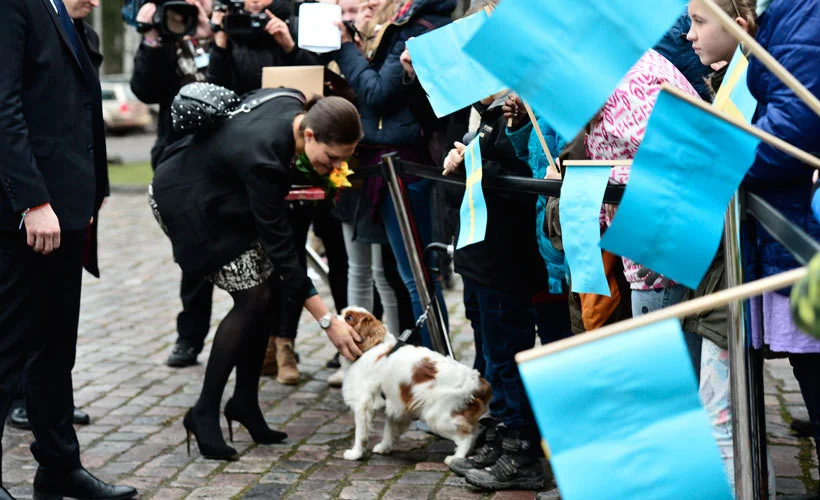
(339,176)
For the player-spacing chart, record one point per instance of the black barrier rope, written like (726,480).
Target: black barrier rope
(797,242)
(802,246)
(541,187)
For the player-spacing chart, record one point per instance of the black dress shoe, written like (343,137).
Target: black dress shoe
(18,418)
(183,354)
(80,417)
(54,484)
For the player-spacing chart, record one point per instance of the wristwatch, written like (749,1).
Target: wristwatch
(325,320)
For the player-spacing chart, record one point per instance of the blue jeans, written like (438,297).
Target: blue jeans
(646,301)
(472,310)
(419,197)
(552,321)
(507,327)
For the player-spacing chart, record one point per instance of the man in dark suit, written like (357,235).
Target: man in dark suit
(54,179)
(78,10)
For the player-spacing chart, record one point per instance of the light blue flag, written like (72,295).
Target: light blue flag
(473,213)
(566,57)
(622,418)
(450,77)
(581,195)
(687,168)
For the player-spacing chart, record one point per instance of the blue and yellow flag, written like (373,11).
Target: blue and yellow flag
(733,97)
(473,213)
(451,78)
(622,418)
(687,168)
(566,57)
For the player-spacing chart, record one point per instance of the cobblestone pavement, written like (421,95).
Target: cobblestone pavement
(136,403)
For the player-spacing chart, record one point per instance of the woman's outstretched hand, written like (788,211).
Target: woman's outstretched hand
(344,338)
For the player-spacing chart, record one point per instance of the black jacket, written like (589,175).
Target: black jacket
(52,140)
(91,40)
(159,73)
(219,192)
(239,65)
(508,258)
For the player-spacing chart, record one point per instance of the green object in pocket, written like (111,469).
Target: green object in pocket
(805,300)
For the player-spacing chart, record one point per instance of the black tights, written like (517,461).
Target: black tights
(240,342)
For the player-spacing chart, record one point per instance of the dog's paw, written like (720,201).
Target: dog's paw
(353,454)
(382,448)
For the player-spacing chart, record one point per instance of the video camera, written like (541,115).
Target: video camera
(237,20)
(173,19)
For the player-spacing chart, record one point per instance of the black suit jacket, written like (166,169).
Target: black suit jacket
(52,142)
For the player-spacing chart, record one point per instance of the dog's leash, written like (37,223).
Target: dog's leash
(402,340)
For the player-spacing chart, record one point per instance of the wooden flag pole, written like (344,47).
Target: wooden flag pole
(678,311)
(763,56)
(764,136)
(597,163)
(540,136)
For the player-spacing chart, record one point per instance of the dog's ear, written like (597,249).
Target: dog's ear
(371,330)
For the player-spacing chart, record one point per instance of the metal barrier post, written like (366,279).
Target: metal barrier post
(751,479)
(435,318)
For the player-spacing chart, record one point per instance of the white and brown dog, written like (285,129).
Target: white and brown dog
(409,383)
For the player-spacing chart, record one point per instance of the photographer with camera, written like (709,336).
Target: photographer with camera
(174,52)
(251,35)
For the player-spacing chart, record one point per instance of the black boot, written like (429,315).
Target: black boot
(485,455)
(521,465)
(54,484)
(184,354)
(802,428)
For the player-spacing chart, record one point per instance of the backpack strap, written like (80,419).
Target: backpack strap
(247,107)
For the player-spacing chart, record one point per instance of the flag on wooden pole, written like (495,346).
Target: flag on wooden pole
(565,58)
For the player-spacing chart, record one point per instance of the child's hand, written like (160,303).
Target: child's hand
(514,111)
(455,158)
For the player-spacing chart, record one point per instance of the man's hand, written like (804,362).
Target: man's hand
(455,158)
(220,38)
(146,15)
(280,32)
(407,63)
(42,229)
(344,338)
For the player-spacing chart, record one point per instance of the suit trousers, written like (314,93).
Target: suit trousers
(39,316)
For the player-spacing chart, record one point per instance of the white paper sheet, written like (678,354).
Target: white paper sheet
(317,31)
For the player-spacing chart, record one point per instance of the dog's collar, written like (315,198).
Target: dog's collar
(401,341)
(399,344)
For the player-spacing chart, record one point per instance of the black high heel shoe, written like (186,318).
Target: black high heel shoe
(212,447)
(254,422)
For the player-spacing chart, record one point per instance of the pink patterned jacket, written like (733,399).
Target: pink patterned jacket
(618,129)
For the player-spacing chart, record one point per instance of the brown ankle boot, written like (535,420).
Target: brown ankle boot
(286,359)
(269,366)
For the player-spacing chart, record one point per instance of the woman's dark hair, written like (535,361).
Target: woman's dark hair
(334,120)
